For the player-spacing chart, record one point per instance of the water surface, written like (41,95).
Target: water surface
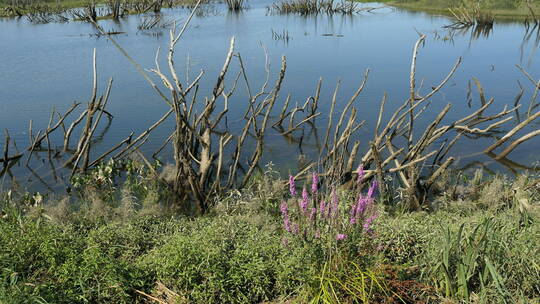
(46,66)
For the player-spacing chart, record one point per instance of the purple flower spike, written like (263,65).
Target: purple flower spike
(352,220)
(292,186)
(305,200)
(341,236)
(315,183)
(287,224)
(322,207)
(369,221)
(295,228)
(284,208)
(372,189)
(360,174)
(312,214)
(361,206)
(353,210)
(285,213)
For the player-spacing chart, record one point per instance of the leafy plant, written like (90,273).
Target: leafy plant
(356,285)
(466,266)
(325,219)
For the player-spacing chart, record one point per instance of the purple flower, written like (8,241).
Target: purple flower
(292,186)
(305,200)
(361,206)
(284,209)
(295,228)
(285,213)
(352,221)
(353,211)
(315,183)
(372,189)
(341,236)
(369,221)
(287,224)
(312,214)
(360,174)
(322,207)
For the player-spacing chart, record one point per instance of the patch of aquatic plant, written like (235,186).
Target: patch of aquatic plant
(117,9)
(472,13)
(235,5)
(283,35)
(308,7)
(44,14)
(89,12)
(156,21)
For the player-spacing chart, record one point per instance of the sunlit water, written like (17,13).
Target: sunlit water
(46,66)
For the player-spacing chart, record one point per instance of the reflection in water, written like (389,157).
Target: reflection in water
(513,166)
(473,31)
(530,33)
(483,30)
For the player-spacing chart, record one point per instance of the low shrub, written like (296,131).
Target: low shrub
(230,260)
(473,249)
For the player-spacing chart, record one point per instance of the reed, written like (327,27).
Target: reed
(310,7)
(472,13)
(154,21)
(235,5)
(283,35)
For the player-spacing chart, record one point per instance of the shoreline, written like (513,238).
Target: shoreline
(500,15)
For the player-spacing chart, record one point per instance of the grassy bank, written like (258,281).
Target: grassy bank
(121,244)
(18,8)
(500,9)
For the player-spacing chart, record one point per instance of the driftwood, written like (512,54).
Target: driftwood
(91,115)
(409,160)
(6,159)
(209,159)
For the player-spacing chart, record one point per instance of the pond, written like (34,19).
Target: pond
(49,66)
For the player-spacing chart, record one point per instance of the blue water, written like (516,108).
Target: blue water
(46,66)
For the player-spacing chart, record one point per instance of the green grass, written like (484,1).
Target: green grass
(120,245)
(60,5)
(501,9)
(12,8)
